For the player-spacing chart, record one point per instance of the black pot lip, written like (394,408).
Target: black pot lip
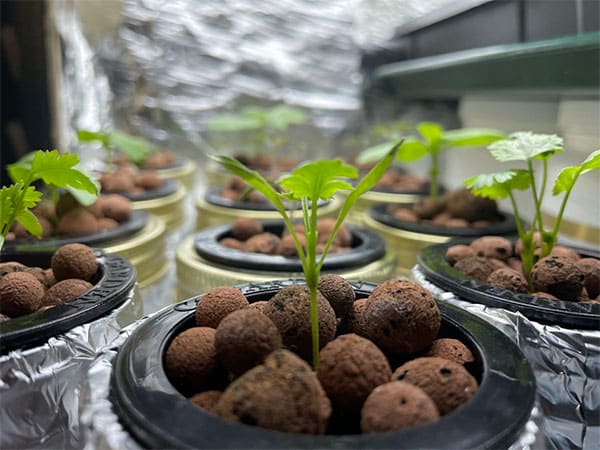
(505,227)
(145,406)
(169,187)
(213,197)
(113,282)
(369,248)
(135,223)
(433,263)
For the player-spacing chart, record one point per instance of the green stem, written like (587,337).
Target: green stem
(557,222)
(526,240)
(434,172)
(537,204)
(312,273)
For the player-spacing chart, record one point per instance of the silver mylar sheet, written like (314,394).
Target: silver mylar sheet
(566,363)
(102,429)
(40,388)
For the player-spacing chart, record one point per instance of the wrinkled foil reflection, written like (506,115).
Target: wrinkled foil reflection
(40,388)
(566,363)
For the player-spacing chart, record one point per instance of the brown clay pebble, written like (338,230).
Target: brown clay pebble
(20,293)
(217,303)
(493,247)
(355,320)
(65,291)
(463,204)
(245,227)
(148,180)
(508,278)
(282,394)
(455,253)
(106,223)
(206,400)
(191,360)
(74,261)
(289,310)
(11,266)
(259,306)
(478,267)
(77,222)
(262,243)
(44,276)
(428,208)
(402,318)
(117,207)
(406,215)
(325,226)
(396,406)
(244,338)
(338,292)
(355,355)
(559,276)
(447,383)
(232,243)
(451,349)
(591,269)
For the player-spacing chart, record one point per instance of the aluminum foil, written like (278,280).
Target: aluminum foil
(40,388)
(102,428)
(566,363)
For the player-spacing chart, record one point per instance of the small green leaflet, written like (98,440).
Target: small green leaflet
(470,137)
(411,150)
(431,131)
(280,117)
(525,146)
(13,207)
(91,136)
(318,179)
(568,176)
(136,149)
(253,178)
(58,170)
(498,185)
(233,122)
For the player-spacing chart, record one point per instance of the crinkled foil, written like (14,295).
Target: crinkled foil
(566,363)
(102,428)
(40,388)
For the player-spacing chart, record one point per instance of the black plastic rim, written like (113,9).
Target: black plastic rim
(432,261)
(367,247)
(168,187)
(136,222)
(160,417)
(112,284)
(504,227)
(214,197)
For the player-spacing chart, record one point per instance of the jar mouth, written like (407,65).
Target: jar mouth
(113,282)
(140,389)
(504,226)
(366,247)
(432,261)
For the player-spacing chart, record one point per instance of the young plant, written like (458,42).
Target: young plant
(134,148)
(265,124)
(307,184)
(531,149)
(432,141)
(56,170)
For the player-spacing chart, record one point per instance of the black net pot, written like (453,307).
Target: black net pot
(140,239)
(408,238)
(202,262)
(559,338)
(213,209)
(45,355)
(153,414)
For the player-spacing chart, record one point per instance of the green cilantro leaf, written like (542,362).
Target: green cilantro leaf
(233,122)
(280,117)
(568,176)
(318,179)
(498,185)
(136,149)
(30,222)
(525,146)
(431,131)
(91,136)
(58,170)
(470,137)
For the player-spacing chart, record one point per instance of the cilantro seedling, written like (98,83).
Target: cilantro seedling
(134,148)
(307,184)
(56,170)
(432,141)
(264,124)
(532,149)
